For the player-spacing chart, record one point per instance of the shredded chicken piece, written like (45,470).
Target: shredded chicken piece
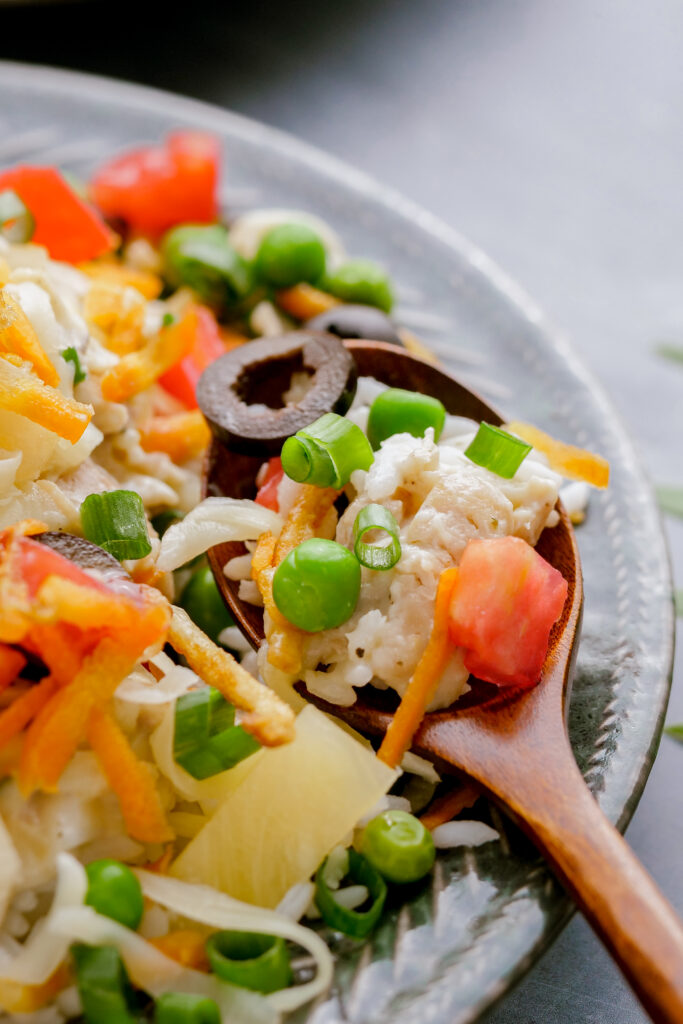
(268,719)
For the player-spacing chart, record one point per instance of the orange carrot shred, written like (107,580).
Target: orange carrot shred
(567,459)
(425,679)
(18,337)
(446,807)
(17,716)
(131,779)
(183,435)
(18,998)
(138,370)
(186,946)
(23,393)
(303,301)
(11,664)
(61,725)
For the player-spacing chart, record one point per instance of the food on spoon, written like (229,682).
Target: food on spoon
(130,739)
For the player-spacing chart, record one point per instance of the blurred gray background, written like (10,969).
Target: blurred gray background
(551,134)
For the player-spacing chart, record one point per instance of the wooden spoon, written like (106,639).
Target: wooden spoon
(514,744)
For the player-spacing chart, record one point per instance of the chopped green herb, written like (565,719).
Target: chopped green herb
(169,318)
(70,355)
(675,732)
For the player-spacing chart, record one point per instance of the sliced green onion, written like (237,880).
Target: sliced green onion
(327,452)
(201,256)
(497,451)
(71,356)
(250,960)
(396,411)
(183,1008)
(16,220)
(115,521)
(675,732)
(206,740)
(670,500)
(399,846)
(106,993)
(356,923)
(317,585)
(376,556)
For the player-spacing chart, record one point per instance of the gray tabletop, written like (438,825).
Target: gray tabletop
(550,134)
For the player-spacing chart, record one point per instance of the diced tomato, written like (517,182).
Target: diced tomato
(505,601)
(69,228)
(37,561)
(155,187)
(181,379)
(267,492)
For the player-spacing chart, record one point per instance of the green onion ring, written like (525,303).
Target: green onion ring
(497,451)
(327,452)
(376,556)
(356,923)
(250,960)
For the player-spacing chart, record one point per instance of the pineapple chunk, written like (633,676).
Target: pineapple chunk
(297,802)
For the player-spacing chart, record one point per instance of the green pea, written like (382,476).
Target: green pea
(290,253)
(113,890)
(396,411)
(317,585)
(202,258)
(363,282)
(398,846)
(202,601)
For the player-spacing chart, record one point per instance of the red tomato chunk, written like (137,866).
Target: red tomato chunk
(69,228)
(267,492)
(505,602)
(181,380)
(154,188)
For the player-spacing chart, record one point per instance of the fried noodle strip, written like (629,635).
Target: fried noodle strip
(268,719)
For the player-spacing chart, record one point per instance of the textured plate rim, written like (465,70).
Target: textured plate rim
(36,78)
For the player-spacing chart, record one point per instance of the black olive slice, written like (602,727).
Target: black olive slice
(242,393)
(356,321)
(83,553)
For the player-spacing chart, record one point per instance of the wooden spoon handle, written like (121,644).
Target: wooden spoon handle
(614,891)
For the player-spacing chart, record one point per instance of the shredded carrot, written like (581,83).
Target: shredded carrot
(284,639)
(18,998)
(17,716)
(22,393)
(10,755)
(445,807)
(138,625)
(131,779)
(110,272)
(61,725)
(161,865)
(118,315)
(138,370)
(183,435)
(186,946)
(11,664)
(268,718)
(425,679)
(304,518)
(572,462)
(303,301)
(60,647)
(417,347)
(18,337)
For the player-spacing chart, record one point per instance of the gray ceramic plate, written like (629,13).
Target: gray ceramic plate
(455,947)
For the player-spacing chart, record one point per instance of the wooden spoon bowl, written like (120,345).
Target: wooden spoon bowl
(512,742)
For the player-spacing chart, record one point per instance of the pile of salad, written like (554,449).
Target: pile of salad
(170,807)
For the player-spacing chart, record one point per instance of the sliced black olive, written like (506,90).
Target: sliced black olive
(355,321)
(83,553)
(242,393)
